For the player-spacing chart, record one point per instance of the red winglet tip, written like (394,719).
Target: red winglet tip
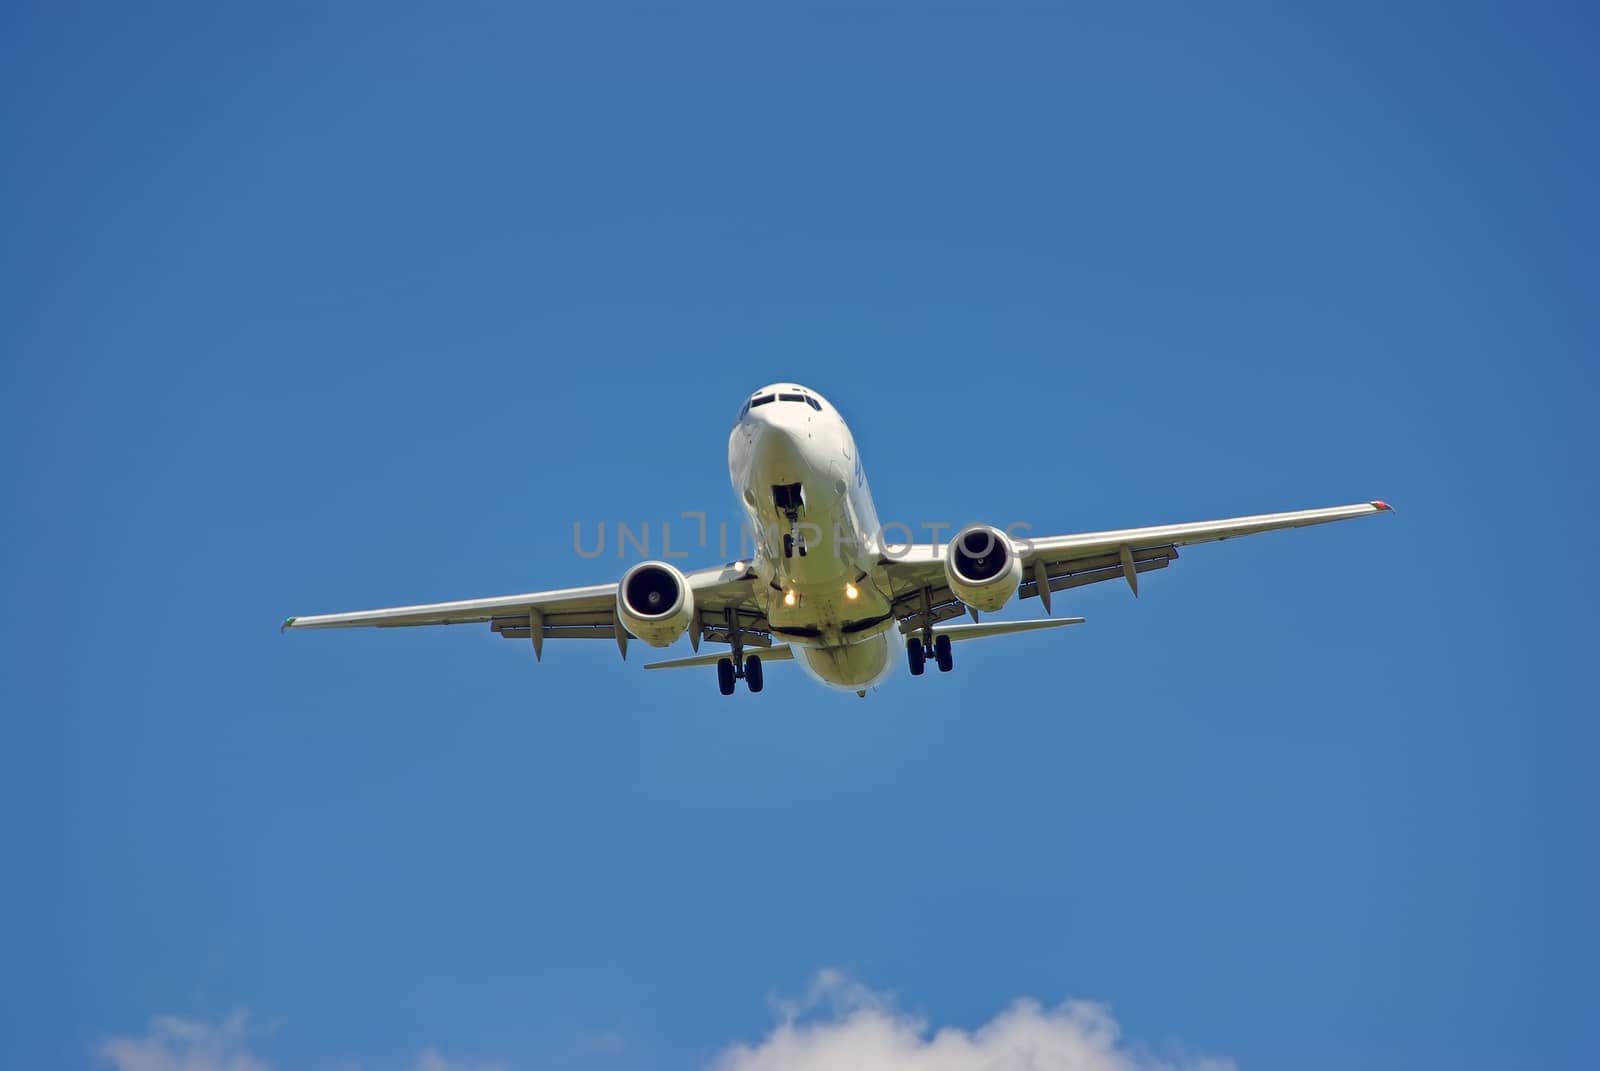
(1381,504)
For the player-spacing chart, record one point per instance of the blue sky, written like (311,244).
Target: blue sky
(319,307)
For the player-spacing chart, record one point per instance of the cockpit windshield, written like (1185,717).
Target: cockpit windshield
(780,396)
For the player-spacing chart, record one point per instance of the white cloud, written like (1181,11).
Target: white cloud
(430,1059)
(176,1044)
(862,1028)
(838,1023)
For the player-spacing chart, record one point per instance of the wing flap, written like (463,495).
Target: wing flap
(1075,574)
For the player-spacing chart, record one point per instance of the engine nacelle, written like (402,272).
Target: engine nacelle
(982,567)
(654,603)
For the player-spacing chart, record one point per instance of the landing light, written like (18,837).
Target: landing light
(850,591)
(788,598)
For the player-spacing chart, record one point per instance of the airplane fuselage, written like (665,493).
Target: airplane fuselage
(799,478)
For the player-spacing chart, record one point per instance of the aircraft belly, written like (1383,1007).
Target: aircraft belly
(850,666)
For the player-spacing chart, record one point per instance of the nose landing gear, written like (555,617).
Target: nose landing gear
(790,499)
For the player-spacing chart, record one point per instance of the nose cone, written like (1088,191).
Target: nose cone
(782,445)
(786,435)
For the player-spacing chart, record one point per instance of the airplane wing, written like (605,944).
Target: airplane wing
(722,596)
(978,630)
(912,576)
(916,577)
(784,653)
(779,653)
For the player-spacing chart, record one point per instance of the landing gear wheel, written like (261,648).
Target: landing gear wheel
(788,544)
(915,657)
(752,673)
(725,676)
(941,653)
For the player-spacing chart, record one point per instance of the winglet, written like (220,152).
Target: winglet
(1381,504)
(288,623)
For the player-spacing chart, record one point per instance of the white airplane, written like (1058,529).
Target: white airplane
(824,587)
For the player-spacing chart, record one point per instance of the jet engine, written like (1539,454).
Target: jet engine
(654,603)
(982,568)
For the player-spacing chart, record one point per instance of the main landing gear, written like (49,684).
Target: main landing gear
(737,667)
(917,653)
(728,673)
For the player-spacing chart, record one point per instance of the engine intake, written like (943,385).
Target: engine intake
(654,603)
(982,568)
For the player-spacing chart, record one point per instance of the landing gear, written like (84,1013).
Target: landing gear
(729,674)
(729,670)
(918,652)
(790,500)
(915,656)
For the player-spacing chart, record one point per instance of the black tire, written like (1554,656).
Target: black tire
(941,653)
(725,676)
(915,656)
(752,673)
(788,545)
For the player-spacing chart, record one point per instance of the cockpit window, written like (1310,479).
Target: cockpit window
(779,396)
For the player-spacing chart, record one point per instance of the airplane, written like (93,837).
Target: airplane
(824,587)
